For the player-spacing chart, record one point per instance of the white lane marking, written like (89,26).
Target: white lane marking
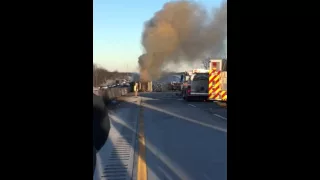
(184,118)
(174,167)
(192,105)
(220,116)
(180,99)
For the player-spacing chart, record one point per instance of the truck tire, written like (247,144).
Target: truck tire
(186,97)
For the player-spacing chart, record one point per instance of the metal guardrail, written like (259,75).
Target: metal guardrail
(113,93)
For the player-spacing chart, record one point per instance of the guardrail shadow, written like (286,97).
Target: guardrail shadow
(164,168)
(109,164)
(159,169)
(109,159)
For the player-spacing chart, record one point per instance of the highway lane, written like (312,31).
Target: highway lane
(184,141)
(211,108)
(208,106)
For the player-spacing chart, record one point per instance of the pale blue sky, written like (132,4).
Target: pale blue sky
(117,29)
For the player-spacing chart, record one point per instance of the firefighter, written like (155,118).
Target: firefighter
(136,89)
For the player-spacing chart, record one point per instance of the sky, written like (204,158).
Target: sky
(117,29)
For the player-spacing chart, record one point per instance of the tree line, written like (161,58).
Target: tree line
(101,75)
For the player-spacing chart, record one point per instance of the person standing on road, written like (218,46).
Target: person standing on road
(136,89)
(101,126)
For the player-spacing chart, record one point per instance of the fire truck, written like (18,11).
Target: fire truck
(218,80)
(206,84)
(194,84)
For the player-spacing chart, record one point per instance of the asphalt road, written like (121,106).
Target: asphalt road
(183,140)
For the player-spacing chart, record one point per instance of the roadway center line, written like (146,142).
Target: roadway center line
(220,116)
(192,105)
(142,167)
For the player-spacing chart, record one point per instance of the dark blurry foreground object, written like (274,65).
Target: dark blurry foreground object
(101,125)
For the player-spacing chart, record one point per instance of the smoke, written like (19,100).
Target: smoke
(181,32)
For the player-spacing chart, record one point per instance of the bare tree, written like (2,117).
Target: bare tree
(101,75)
(206,63)
(94,75)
